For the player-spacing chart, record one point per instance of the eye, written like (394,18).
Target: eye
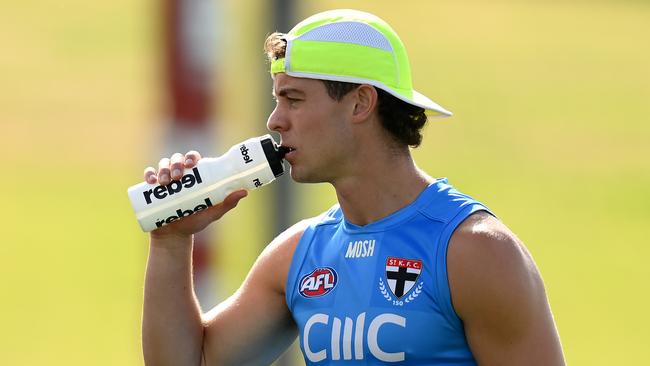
(286,99)
(292,101)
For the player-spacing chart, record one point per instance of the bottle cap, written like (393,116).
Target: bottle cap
(274,155)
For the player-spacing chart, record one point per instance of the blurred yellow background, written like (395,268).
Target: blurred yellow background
(551,102)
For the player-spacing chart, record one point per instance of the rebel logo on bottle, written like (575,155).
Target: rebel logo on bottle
(244,154)
(182,213)
(186,181)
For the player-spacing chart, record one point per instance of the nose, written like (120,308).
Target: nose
(277,122)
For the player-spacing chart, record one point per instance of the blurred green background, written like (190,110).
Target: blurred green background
(551,102)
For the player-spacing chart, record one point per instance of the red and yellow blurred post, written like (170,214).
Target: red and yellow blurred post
(189,41)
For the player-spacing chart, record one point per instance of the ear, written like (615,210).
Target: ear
(365,102)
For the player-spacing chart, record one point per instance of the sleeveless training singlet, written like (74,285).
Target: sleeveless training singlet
(377,294)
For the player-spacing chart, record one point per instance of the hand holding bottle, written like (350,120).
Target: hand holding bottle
(186,185)
(171,169)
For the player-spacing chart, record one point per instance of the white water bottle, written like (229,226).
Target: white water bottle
(247,165)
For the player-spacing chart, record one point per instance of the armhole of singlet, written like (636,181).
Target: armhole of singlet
(442,280)
(297,261)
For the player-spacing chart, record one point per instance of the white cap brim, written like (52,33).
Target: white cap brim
(433,109)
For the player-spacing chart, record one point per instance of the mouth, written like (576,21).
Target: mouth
(286,150)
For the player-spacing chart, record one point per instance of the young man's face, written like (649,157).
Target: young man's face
(313,124)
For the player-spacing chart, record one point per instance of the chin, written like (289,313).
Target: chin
(301,176)
(297,176)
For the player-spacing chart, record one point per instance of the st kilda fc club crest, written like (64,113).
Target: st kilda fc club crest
(401,285)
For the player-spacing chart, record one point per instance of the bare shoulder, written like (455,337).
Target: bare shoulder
(277,256)
(486,259)
(498,292)
(483,242)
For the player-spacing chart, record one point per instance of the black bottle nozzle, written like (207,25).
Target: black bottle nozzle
(274,155)
(282,151)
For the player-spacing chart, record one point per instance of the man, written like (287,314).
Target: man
(405,269)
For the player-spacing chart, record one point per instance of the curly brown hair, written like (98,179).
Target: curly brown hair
(402,120)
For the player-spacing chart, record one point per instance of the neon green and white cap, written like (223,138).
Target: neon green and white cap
(355,47)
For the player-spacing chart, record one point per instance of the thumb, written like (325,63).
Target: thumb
(228,204)
(233,199)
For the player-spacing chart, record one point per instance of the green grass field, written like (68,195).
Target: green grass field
(551,131)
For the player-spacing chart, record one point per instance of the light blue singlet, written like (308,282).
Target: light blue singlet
(378,294)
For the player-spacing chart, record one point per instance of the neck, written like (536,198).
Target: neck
(381,185)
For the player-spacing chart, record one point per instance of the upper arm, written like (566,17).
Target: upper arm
(499,294)
(254,325)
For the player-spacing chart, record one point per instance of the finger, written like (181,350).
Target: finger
(163,172)
(150,175)
(191,158)
(234,198)
(229,203)
(176,166)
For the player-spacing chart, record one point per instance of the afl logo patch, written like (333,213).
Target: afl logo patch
(319,282)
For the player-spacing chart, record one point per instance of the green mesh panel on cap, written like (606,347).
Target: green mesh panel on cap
(345,60)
